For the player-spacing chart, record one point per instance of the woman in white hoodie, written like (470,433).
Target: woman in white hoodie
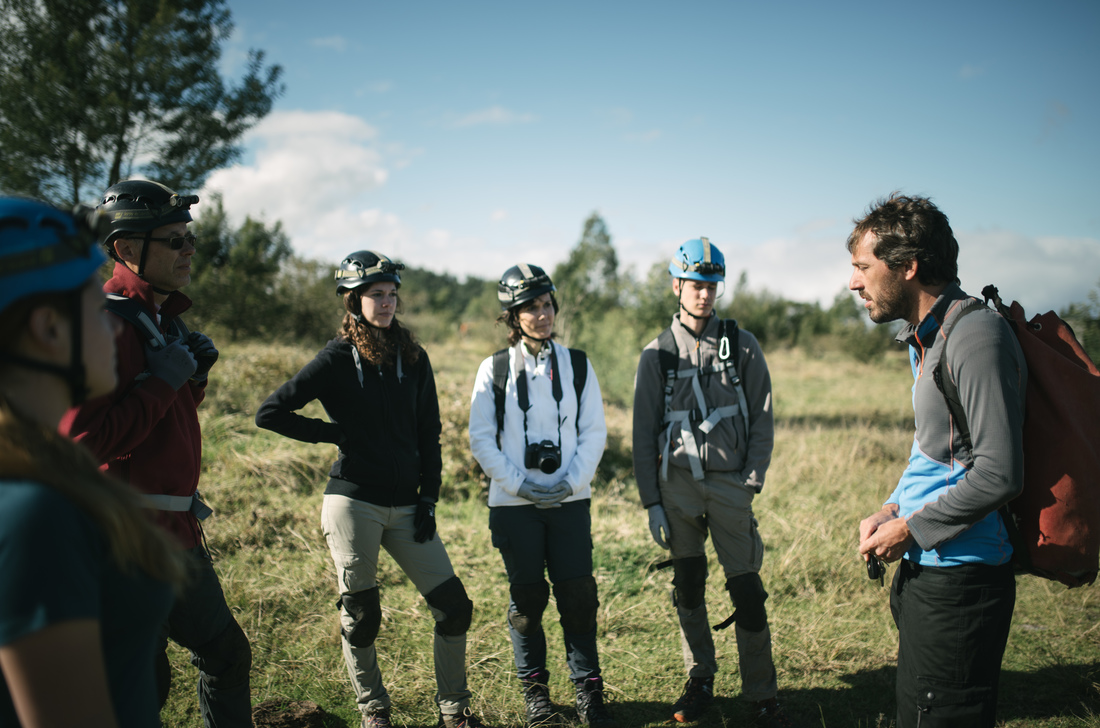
(537,429)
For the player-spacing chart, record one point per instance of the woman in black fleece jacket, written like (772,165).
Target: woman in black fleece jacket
(376,384)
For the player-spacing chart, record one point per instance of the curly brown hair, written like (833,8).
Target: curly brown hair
(380,347)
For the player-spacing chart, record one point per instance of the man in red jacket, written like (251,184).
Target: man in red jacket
(147,431)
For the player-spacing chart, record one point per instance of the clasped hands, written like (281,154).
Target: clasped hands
(545,496)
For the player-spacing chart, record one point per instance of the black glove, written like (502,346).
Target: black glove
(173,363)
(205,354)
(424,521)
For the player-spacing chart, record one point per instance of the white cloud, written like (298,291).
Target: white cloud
(333,42)
(310,171)
(495,115)
(1042,273)
(318,173)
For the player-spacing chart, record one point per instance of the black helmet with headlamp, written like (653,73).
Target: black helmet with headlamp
(135,208)
(365,267)
(522,283)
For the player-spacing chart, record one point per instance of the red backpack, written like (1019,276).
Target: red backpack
(1054,524)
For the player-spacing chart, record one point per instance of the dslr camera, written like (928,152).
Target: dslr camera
(545,455)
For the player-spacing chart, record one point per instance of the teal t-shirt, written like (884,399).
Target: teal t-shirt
(56,566)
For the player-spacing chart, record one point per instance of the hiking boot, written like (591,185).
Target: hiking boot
(697,696)
(590,707)
(769,714)
(377,719)
(536,694)
(465,719)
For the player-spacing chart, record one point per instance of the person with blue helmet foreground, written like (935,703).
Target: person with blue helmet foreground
(377,387)
(703,435)
(537,429)
(954,591)
(147,431)
(85,579)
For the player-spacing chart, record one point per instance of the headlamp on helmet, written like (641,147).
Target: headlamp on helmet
(698,260)
(522,283)
(365,267)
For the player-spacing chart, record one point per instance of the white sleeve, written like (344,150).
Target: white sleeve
(483,434)
(592,435)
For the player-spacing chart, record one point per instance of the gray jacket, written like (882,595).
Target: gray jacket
(722,449)
(951,510)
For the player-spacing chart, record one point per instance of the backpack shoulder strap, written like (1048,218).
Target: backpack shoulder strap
(668,356)
(500,381)
(579,361)
(950,390)
(134,313)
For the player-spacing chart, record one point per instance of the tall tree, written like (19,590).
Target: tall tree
(93,91)
(236,273)
(588,280)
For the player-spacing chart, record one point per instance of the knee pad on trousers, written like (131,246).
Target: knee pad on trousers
(365,611)
(451,599)
(232,647)
(577,604)
(748,595)
(689,581)
(528,603)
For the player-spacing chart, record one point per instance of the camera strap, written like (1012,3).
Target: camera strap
(521,388)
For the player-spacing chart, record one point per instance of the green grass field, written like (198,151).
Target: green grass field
(844,431)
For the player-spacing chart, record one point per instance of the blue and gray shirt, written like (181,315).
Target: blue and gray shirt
(952,510)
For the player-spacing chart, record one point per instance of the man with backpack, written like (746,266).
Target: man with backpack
(147,431)
(953,594)
(703,435)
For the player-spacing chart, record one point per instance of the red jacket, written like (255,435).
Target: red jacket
(145,433)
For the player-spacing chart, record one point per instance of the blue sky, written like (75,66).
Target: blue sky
(466,137)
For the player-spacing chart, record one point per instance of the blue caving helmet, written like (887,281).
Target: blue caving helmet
(46,250)
(698,260)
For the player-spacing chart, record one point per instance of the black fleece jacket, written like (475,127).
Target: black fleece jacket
(387,430)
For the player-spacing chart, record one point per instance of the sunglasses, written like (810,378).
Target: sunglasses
(177,243)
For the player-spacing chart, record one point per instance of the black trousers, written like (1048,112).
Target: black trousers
(952,629)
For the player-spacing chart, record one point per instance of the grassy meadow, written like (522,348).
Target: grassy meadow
(843,436)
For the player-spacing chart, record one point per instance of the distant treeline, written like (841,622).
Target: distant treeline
(248,285)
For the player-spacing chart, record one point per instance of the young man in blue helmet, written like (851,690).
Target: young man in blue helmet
(703,435)
(147,431)
(954,589)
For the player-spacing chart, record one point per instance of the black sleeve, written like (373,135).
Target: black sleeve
(279,413)
(428,430)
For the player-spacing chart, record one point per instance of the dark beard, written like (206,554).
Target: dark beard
(892,303)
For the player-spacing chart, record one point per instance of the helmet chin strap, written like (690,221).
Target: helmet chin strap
(679,294)
(74,374)
(141,263)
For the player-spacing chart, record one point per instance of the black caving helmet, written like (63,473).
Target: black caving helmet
(141,206)
(522,283)
(365,267)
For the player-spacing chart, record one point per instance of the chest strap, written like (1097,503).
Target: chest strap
(707,418)
(179,504)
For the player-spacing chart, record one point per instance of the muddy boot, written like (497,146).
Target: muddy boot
(697,696)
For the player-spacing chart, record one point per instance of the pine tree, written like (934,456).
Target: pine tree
(94,91)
